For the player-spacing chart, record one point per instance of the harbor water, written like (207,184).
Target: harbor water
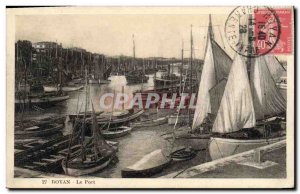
(140,142)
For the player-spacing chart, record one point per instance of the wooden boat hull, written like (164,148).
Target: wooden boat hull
(223,147)
(43,101)
(130,173)
(136,80)
(78,172)
(110,134)
(165,82)
(40,133)
(99,81)
(120,121)
(64,88)
(142,168)
(150,123)
(182,155)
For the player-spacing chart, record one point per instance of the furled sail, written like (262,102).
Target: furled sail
(276,69)
(267,99)
(236,109)
(100,145)
(216,67)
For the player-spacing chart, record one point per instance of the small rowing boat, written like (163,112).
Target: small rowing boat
(183,153)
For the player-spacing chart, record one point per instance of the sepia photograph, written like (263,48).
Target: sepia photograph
(150,97)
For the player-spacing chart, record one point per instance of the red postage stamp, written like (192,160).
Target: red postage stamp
(279,28)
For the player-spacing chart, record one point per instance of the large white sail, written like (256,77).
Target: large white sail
(276,69)
(236,109)
(267,99)
(216,94)
(216,67)
(208,80)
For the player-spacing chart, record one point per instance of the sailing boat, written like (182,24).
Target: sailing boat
(59,87)
(278,73)
(24,98)
(95,153)
(214,75)
(136,76)
(100,74)
(167,79)
(251,112)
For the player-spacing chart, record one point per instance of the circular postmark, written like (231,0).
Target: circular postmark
(252,31)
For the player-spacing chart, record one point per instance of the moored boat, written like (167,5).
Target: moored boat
(37,131)
(116,132)
(167,80)
(245,102)
(149,122)
(136,78)
(64,88)
(40,100)
(94,155)
(75,166)
(99,81)
(121,120)
(183,153)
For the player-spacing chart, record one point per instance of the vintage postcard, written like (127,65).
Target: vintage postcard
(150,97)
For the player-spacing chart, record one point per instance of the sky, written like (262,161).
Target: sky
(155,35)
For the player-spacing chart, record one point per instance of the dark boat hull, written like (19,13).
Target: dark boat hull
(183,155)
(43,102)
(78,170)
(120,121)
(136,80)
(39,133)
(131,173)
(165,82)
(120,132)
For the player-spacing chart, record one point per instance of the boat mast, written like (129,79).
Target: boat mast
(17,63)
(119,63)
(83,156)
(210,30)
(94,66)
(133,44)
(60,69)
(180,90)
(250,62)
(67,66)
(191,71)
(82,63)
